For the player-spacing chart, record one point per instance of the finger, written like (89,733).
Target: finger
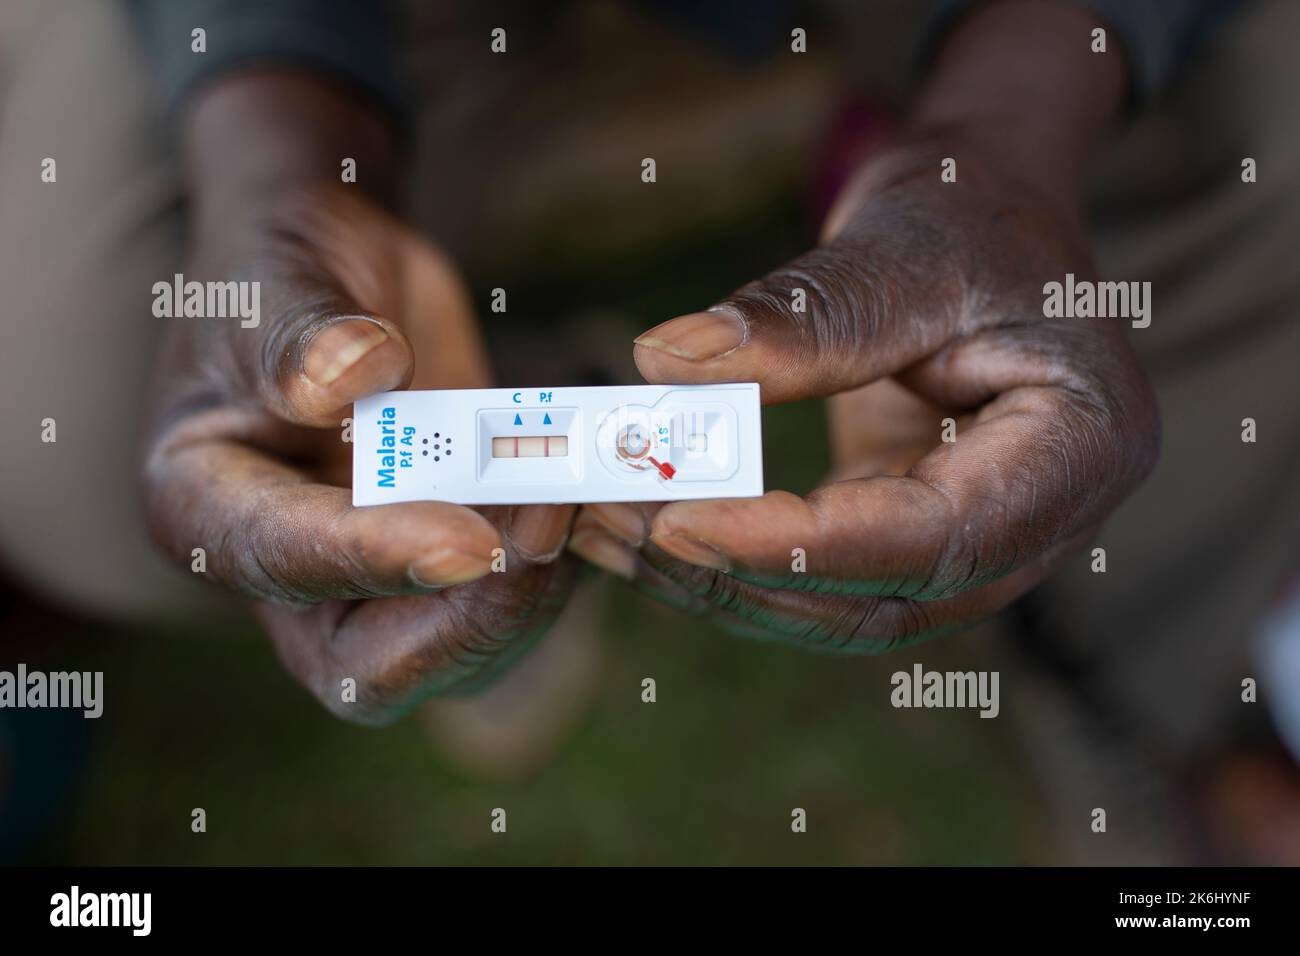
(332,297)
(841,623)
(833,319)
(822,621)
(398,652)
(267,530)
(1033,471)
(592,542)
(597,546)
(609,536)
(629,522)
(538,532)
(816,620)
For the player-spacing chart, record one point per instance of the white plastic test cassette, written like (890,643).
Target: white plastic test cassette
(558,445)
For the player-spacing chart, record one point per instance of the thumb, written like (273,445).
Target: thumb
(322,355)
(822,324)
(332,271)
(334,358)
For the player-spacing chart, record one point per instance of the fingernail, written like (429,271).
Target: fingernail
(449,566)
(538,531)
(698,336)
(336,348)
(625,521)
(604,551)
(692,551)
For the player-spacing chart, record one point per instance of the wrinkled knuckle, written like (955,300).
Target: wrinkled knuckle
(255,559)
(254,571)
(900,622)
(913,623)
(700,582)
(861,627)
(957,565)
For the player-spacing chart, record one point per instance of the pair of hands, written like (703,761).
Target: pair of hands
(923,301)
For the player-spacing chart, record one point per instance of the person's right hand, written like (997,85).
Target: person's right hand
(246,459)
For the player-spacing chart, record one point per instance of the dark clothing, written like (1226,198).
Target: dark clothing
(352,40)
(355,40)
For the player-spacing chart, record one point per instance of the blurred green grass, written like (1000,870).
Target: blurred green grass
(741,732)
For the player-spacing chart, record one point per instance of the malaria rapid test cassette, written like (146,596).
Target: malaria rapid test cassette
(495,446)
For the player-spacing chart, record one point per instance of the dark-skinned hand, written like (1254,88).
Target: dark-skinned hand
(246,457)
(924,301)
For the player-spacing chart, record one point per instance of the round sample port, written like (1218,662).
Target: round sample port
(632,443)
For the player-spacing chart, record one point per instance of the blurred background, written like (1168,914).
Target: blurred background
(1120,691)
